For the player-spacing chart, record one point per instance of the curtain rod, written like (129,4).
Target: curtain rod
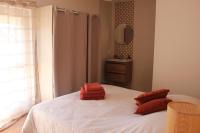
(24,3)
(60,9)
(64,10)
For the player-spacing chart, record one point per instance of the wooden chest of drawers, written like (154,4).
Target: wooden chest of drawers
(118,73)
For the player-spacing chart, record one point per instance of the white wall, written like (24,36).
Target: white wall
(177,46)
(44,51)
(44,38)
(88,6)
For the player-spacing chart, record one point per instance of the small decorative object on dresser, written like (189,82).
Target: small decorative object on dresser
(118,72)
(183,118)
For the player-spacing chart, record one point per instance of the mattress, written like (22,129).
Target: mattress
(115,114)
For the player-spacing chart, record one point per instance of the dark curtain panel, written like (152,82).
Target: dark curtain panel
(70,51)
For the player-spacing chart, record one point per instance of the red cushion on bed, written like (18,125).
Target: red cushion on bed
(94,95)
(92,92)
(82,97)
(153,106)
(93,87)
(148,96)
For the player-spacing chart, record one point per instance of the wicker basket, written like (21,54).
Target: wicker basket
(183,118)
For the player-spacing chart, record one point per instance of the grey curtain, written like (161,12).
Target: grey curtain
(70,51)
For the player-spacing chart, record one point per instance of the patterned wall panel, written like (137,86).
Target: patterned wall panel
(124,14)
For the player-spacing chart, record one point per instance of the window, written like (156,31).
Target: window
(17,75)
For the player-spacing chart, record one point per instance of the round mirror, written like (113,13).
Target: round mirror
(123,34)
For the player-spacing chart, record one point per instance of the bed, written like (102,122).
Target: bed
(115,114)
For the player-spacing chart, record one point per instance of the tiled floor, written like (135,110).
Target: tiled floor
(16,128)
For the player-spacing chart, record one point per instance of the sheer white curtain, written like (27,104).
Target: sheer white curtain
(17,69)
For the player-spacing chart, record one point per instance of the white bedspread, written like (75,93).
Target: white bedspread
(115,114)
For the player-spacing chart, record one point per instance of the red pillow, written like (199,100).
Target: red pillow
(148,96)
(153,106)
